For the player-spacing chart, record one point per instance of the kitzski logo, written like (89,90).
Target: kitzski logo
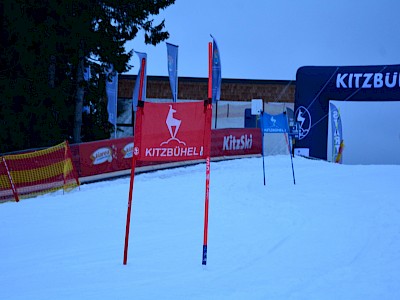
(173,125)
(232,142)
(303,117)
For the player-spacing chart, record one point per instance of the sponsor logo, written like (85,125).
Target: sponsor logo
(181,150)
(127,151)
(173,125)
(174,152)
(367,80)
(232,142)
(273,121)
(102,155)
(273,128)
(136,150)
(303,118)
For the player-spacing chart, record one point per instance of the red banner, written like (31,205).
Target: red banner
(237,141)
(113,155)
(105,156)
(172,131)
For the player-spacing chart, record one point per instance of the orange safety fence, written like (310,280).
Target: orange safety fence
(36,173)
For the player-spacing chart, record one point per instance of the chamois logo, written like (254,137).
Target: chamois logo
(303,117)
(173,125)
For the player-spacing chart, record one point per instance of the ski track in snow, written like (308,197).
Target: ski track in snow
(333,235)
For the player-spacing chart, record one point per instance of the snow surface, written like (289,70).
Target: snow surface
(333,235)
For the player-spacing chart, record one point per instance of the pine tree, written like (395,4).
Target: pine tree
(45,47)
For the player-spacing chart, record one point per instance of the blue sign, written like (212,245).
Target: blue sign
(274,123)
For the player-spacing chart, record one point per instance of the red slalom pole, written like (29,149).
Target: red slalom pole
(207,196)
(128,213)
(204,260)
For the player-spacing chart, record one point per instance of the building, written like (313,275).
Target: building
(192,88)
(236,95)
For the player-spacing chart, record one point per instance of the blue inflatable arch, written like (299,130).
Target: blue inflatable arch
(316,86)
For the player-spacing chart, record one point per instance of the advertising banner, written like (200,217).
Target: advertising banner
(316,86)
(172,131)
(113,155)
(238,141)
(337,134)
(105,156)
(274,123)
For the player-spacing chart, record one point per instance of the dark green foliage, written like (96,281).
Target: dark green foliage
(42,45)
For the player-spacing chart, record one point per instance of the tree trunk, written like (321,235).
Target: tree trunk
(79,96)
(52,71)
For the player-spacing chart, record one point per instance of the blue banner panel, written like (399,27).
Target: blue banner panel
(112,95)
(172,55)
(274,123)
(135,96)
(216,73)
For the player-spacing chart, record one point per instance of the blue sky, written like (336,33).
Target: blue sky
(263,39)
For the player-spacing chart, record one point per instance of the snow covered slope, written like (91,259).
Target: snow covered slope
(333,235)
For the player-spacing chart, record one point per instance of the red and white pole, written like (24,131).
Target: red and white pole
(206,203)
(207,194)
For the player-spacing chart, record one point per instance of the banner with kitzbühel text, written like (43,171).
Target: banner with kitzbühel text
(274,123)
(172,131)
(172,54)
(317,85)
